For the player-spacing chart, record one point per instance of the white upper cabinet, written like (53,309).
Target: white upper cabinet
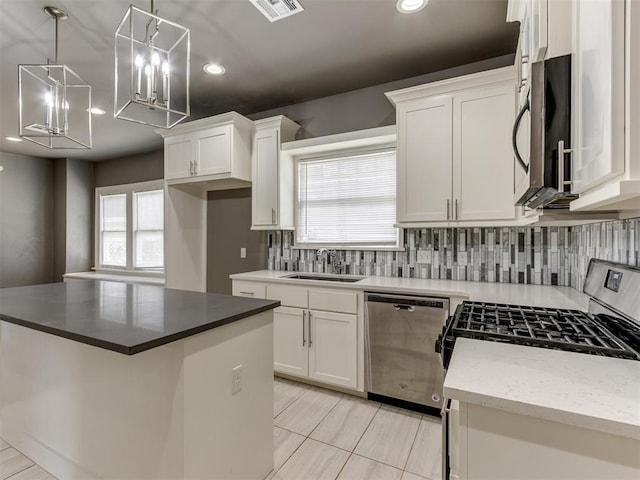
(606,164)
(272,175)
(455,162)
(424,155)
(483,167)
(209,149)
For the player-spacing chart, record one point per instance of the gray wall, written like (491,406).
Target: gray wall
(26,220)
(229,229)
(367,107)
(132,169)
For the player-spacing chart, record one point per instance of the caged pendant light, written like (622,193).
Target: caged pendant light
(151,69)
(54,102)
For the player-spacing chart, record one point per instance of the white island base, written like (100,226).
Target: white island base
(83,412)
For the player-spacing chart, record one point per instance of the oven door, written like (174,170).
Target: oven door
(450,439)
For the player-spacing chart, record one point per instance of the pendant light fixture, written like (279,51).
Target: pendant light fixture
(151,69)
(54,102)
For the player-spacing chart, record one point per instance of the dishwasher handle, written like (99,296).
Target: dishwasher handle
(408,308)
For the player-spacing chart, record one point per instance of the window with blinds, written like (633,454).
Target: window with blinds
(130,227)
(347,200)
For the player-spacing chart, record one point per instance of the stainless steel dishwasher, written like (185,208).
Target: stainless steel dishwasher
(401,363)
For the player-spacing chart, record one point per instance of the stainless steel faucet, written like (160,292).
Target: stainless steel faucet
(329,256)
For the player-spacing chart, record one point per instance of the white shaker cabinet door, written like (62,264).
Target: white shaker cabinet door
(178,152)
(266,146)
(424,160)
(483,164)
(598,105)
(333,348)
(214,151)
(290,352)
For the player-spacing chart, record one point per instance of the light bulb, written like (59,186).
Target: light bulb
(165,68)
(139,61)
(155,59)
(48,99)
(411,6)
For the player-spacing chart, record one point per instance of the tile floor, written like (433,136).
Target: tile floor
(320,434)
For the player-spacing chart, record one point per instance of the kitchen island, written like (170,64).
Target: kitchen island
(107,379)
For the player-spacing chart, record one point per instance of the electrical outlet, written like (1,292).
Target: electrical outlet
(424,256)
(236,379)
(243,252)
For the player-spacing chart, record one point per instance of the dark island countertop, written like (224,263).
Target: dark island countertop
(123,317)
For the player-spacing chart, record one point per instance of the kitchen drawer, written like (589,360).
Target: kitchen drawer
(333,300)
(289,296)
(249,289)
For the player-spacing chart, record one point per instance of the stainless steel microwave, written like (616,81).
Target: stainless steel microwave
(549,167)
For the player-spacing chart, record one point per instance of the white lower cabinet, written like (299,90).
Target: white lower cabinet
(496,445)
(332,347)
(316,331)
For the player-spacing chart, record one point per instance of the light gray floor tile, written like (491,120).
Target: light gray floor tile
(346,423)
(411,476)
(284,444)
(3,444)
(389,437)
(360,468)
(313,461)
(285,393)
(12,461)
(307,411)
(33,473)
(425,458)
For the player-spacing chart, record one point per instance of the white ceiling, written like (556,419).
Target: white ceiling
(334,46)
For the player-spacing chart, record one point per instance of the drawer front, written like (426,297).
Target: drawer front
(289,296)
(249,289)
(333,301)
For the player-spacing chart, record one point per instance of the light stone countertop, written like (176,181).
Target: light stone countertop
(534,295)
(589,391)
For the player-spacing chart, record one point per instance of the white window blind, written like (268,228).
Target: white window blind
(113,230)
(347,200)
(149,229)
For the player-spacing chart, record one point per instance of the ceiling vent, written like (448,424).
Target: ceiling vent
(277,9)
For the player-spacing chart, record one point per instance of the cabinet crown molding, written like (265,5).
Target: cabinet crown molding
(279,121)
(229,118)
(451,85)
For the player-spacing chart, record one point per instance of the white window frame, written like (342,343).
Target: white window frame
(127,189)
(328,154)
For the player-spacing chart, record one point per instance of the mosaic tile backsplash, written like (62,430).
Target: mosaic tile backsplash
(533,255)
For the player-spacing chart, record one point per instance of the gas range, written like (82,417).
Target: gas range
(610,328)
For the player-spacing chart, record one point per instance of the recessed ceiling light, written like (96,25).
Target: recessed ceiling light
(214,69)
(96,111)
(411,6)
(13,139)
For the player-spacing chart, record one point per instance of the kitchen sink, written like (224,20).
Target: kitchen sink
(326,277)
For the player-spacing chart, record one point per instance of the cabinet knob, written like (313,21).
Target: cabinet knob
(273,216)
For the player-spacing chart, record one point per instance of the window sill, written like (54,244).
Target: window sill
(117,277)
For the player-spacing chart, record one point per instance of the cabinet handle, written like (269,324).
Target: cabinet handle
(310,342)
(304,321)
(195,167)
(448,209)
(273,216)
(248,293)
(561,153)
(456,208)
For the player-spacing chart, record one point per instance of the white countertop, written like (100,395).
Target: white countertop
(539,295)
(589,391)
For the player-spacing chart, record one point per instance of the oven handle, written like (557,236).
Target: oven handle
(444,414)
(514,135)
